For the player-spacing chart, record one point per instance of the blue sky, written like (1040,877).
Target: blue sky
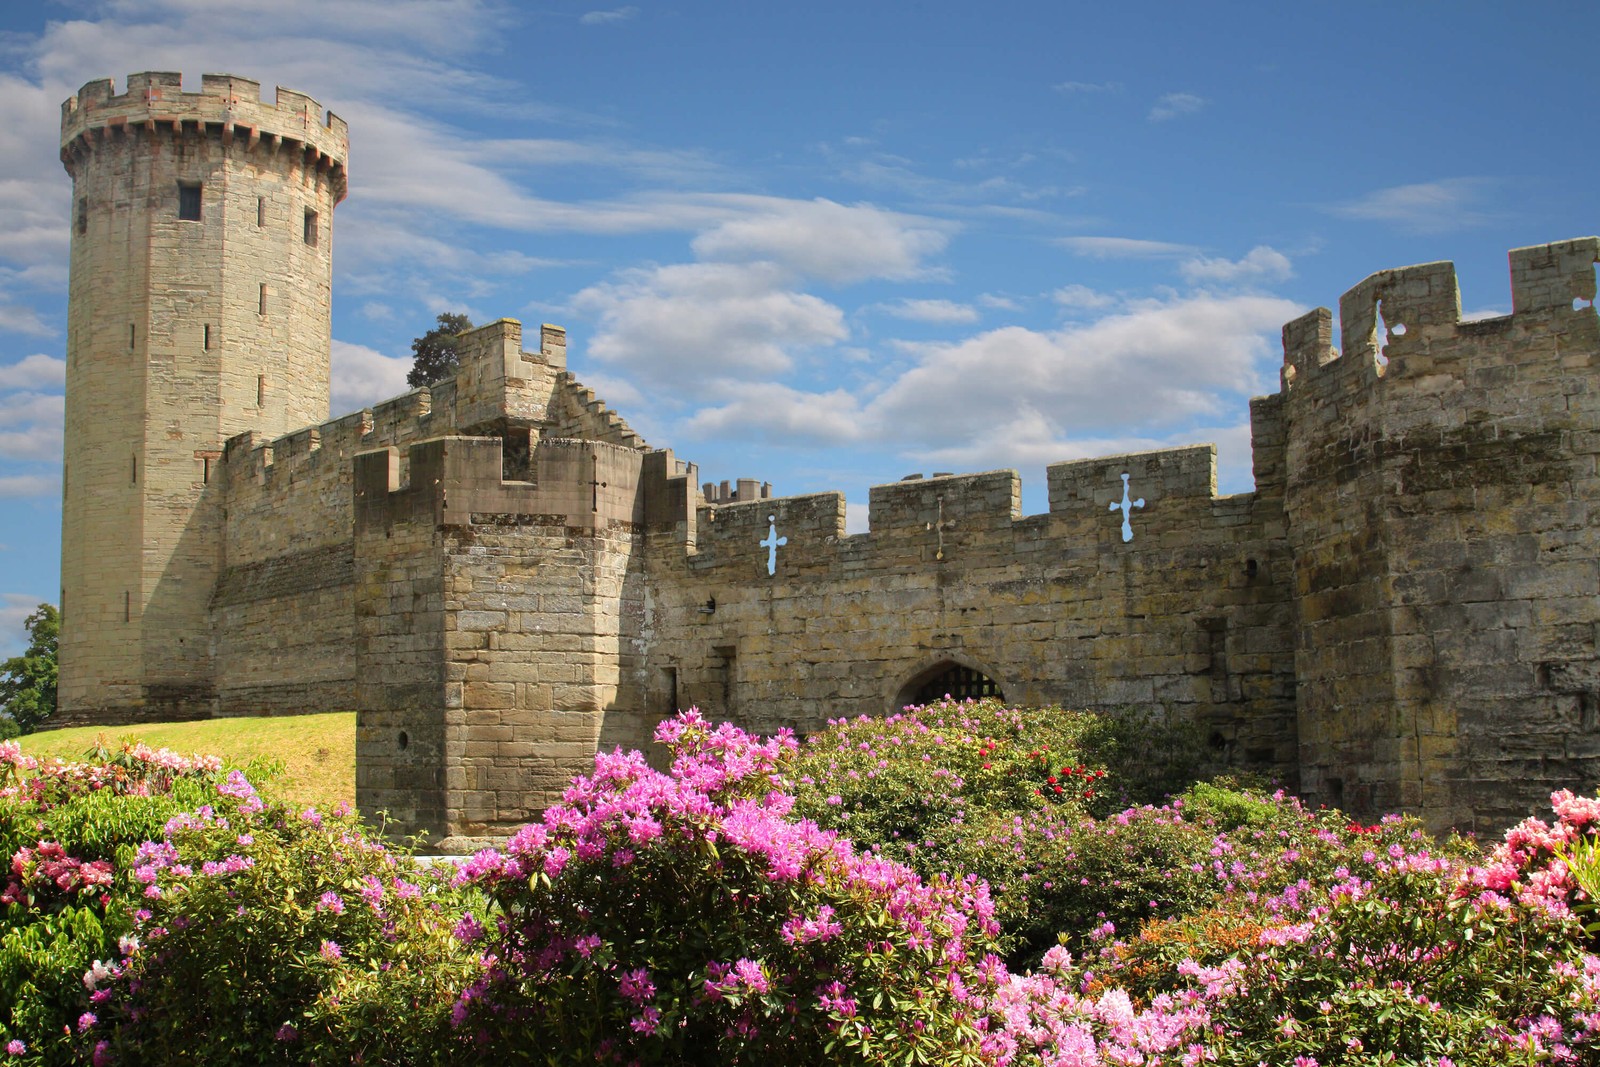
(830,244)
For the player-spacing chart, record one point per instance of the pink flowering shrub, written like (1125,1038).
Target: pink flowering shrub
(1399,954)
(67,834)
(960,788)
(265,934)
(685,918)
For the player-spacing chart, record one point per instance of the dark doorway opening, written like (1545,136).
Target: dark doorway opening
(955,680)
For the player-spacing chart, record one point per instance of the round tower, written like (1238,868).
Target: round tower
(202,248)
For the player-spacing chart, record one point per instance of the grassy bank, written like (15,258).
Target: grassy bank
(318,752)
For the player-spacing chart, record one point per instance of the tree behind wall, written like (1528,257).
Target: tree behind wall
(28,681)
(435,351)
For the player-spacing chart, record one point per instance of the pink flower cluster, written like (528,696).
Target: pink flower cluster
(137,770)
(46,872)
(721,810)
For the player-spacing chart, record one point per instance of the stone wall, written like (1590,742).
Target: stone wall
(1442,517)
(1191,615)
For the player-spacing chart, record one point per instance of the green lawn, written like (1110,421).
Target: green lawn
(318,752)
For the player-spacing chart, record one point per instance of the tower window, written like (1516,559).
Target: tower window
(261,389)
(261,212)
(263,307)
(127,606)
(189,201)
(133,471)
(83,214)
(311,229)
(133,335)
(208,337)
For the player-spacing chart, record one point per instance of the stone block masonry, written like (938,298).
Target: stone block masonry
(500,576)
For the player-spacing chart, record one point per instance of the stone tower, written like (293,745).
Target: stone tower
(199,309)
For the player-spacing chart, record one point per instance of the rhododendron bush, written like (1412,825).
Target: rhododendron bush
(66,830)
(685,918)
(945,886)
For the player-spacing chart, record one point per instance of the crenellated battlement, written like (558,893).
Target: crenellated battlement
(230,108)
(498,390)
(1407,321)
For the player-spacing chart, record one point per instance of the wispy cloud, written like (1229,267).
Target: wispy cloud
(609,18)
(34,372)
(1082,297)
(822,239)
(1123,247)
(1174,105)
(1425,207)
(1087,87)
(25,486)
(689,324)
(940,312)
(1261,264)
(30,425)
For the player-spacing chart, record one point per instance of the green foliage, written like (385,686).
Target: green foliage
(48,940)
(1403,972)
(958,788)
(272,935)
(435,351)
(28,681)
(1155,755)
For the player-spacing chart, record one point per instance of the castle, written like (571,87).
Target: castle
(499,575)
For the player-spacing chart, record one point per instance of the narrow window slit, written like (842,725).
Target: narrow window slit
(189,201)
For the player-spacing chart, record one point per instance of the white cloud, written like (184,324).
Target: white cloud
(690,323)
(1261,264)
(24,486)
(1123,247)
(1151,364)
(30,426)
(364,376)
(34,372)
(998,302)
(825,240)
(1425,207)
(606,18)
(776,412)
(855,517)
(1129,380)
(24,320)
(1082,297)
(1172,105)
(939,312)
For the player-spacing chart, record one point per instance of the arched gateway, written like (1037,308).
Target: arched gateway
(947,678)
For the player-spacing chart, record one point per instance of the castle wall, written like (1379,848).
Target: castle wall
(1191,615)
(1441,510)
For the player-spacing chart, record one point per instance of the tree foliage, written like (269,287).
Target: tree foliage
(28,681)
(435,351)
